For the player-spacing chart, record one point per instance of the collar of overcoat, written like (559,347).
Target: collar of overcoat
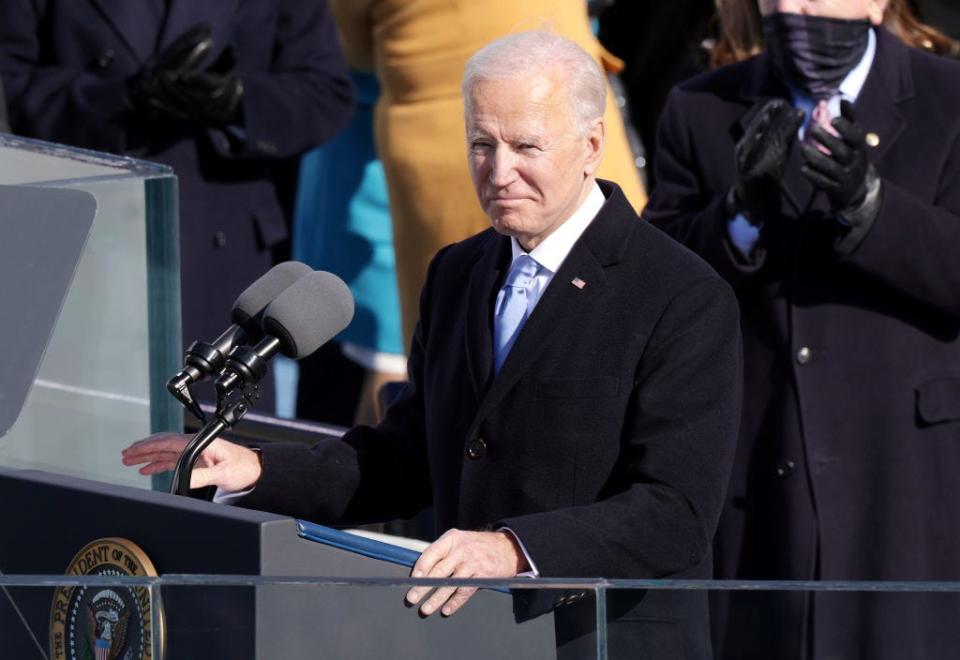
(126,18)
(888,85)
(600,248)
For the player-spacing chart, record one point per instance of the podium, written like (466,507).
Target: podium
(55,516)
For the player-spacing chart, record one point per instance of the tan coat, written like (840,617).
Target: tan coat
(418,49)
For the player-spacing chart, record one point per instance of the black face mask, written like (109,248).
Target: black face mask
(815,53)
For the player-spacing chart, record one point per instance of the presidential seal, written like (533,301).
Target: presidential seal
(104,623)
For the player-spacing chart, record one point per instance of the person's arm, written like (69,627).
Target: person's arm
(355,26)
(913,245)
(685,208)
(306,97)
(885,231)
(677,452)
(371,474)
(54,101)
(368,475)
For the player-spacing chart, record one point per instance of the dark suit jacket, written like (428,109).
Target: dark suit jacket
(66,65)
(604,442)
(842,467)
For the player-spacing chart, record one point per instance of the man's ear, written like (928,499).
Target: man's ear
(594,145)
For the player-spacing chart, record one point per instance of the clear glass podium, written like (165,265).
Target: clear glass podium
(372,639)
(100,384)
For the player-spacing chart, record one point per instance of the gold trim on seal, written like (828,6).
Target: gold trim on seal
(105,612)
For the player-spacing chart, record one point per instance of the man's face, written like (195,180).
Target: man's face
(849,9)
(530,165)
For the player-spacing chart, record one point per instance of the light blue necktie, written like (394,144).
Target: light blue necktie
(512,308)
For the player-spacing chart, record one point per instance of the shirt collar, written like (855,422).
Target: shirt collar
(853,83)
(555,247)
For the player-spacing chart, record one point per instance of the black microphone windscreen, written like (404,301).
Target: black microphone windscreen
(262,292)
(309,314)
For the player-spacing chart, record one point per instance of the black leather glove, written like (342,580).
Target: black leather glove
(204,97)
(845,173)
(172,83)
(760,156)
(147,90)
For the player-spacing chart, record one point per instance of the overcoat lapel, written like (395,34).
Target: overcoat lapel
(564,303)
(487,273)
(185,14)
(132,27)
(889,83)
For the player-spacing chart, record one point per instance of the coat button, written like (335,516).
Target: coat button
(785,469)
(219,239)
(477,448)
(104,59)
(804,355)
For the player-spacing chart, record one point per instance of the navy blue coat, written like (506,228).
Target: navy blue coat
(851,425)
(66,65)
(604,442)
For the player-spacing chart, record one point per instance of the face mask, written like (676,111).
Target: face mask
(815,53)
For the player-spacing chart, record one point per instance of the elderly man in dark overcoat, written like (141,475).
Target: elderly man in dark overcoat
(574,382)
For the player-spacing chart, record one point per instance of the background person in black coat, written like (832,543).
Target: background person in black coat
(846,268)
(230,108)
(604,441)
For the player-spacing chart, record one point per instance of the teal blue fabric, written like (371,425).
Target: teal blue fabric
(342,225)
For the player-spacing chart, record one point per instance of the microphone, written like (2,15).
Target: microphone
(202,359)
(312,311)
(304,317)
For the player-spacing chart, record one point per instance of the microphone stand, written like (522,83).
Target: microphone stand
(201,360)
(238,388)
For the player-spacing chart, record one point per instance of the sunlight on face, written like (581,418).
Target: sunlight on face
(530,166)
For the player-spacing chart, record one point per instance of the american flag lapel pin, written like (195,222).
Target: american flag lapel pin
(577,282)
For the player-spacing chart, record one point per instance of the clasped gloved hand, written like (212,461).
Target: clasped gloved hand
(173,84)
(841,168)
(760,157)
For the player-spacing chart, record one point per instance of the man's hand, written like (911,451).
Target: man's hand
(760,157)
(226,465)
(460,554)
(843,172)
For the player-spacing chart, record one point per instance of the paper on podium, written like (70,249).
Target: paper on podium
(361,545)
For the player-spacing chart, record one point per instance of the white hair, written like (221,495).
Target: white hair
(536,52)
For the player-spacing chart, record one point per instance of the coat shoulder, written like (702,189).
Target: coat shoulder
(456,259)
(725,81)
(652,265)
(674,266)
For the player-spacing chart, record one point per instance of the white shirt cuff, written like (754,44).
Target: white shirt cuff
(229,497)
(533,572)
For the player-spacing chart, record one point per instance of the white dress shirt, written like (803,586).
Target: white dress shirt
(555,247)
(550,254)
